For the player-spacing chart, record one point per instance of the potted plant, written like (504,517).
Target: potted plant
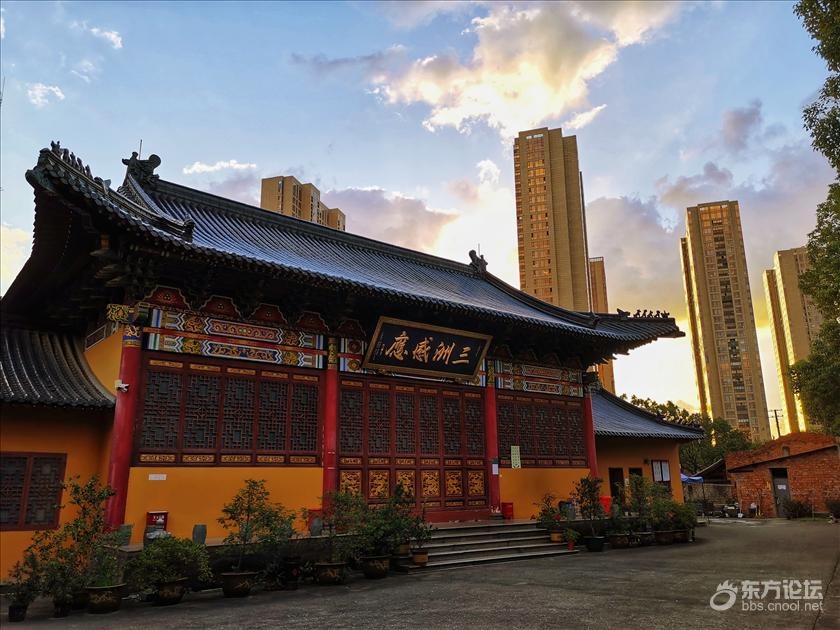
(662,516)
(587,494)
(421,534)
(571,536)
(639,497)
(166,565)
(685,520)
(58,581)
(251,521)
(618,528)
(105,584)
(379,530)
(550,517)
(339,515)
(25,582)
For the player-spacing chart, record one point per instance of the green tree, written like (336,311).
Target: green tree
(821,19)
(719,436)
(817,378)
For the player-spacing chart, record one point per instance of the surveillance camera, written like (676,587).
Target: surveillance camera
(120,386)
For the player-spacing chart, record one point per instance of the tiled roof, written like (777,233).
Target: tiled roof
(43,368)
(615,417)
(178,218)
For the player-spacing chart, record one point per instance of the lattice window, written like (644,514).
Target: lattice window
(201,411)
(12,484)
(577,440)
(474,426)
(544,431)
(379,421)
(30,490)
(406,441)
(506,427)
(304,417)
(161,410)
(238,414)
(429,429)
(274,402)
(452,425)
(350,423)
(561,432)
(525,422)
(42,496)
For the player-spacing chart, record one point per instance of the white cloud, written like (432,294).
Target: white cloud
(40,95)
(581,119)
(411,13)
(222,165)
(16,245)
(112,37)
(488,171)
(531,63)
(86,70)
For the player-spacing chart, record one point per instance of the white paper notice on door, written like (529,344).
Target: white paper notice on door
(515,460)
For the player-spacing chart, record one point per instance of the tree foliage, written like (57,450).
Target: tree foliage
(821,19)
(719,436)
(817,378)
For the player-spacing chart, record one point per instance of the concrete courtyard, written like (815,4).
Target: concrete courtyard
(658,587)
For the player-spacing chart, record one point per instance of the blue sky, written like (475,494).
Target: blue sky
(404,113)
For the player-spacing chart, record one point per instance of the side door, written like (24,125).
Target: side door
(781,489)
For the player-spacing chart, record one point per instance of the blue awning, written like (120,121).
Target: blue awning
(687,479)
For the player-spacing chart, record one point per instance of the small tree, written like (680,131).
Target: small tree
(252,519)
(587,494)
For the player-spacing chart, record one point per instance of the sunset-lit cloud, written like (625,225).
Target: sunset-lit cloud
(222,165)
(16,245)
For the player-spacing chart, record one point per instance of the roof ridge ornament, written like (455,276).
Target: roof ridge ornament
(143,171)
(478,263)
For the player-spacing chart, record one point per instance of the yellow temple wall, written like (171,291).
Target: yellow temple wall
(626,453)
(104,359)
(526,486)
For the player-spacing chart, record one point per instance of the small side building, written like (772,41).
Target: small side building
(800,466)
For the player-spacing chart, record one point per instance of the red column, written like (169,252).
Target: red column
(589,432)
(330,417)
(122,435)
(492,436)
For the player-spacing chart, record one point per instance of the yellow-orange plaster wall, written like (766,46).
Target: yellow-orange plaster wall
(103,359)
(526,486)
(626,453)
(197,495)
(77,433)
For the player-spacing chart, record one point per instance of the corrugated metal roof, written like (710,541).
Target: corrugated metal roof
(44,368)
(616,417)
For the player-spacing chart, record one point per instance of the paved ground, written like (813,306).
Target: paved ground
(658,587)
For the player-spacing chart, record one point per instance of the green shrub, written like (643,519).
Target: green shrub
(833,507)
(796,509)
(166,560)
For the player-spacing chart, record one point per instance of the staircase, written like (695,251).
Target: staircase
(467,544)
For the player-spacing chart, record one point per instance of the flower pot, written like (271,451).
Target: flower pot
(681,536)
(238,583)
(404,549)
(17,612)
(327,573)
(104,599)
(420,557)
(80,600)
(375,567)
(594,543)
(61,607)
(171,592)
(556,537)
(619,541)
(291,574)
(646,539)
(664,537)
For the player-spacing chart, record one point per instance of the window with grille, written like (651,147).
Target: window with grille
(30,490)
(548,430)
(221,412)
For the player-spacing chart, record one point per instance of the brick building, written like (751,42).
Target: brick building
(802,466)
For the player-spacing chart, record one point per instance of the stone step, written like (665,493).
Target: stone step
(457,535)
(495,556)
(545,545)
(436,546)
(488,526)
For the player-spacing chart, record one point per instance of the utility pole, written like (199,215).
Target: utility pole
(775,414)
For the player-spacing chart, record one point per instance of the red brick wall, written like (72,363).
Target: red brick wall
(812,477)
